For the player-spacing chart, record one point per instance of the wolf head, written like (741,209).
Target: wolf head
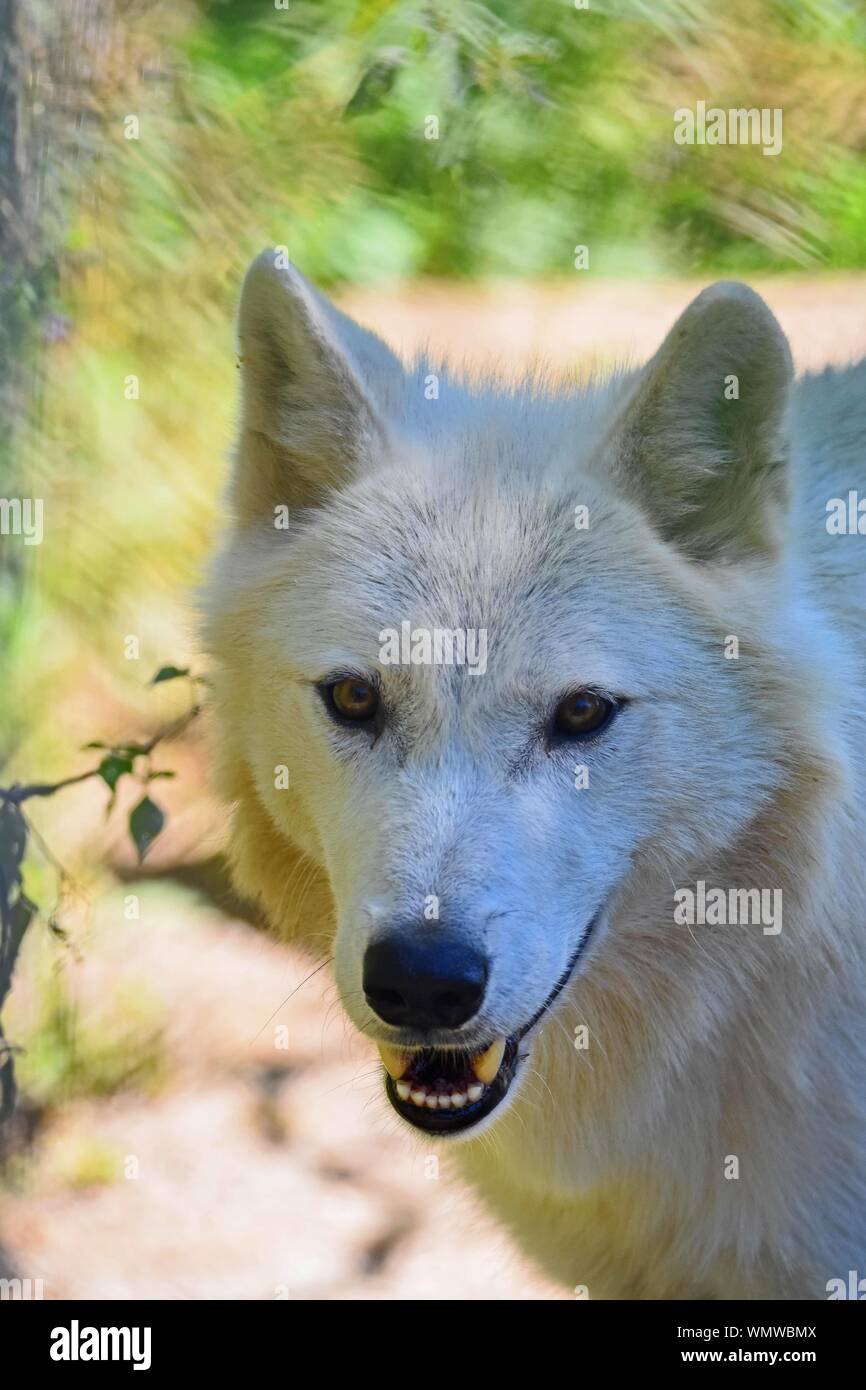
(494,665)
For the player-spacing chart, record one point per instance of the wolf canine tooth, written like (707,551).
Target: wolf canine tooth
(393,1060)
(488,1063)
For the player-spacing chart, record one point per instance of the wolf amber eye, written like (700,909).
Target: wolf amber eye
(584,712)
(354,699)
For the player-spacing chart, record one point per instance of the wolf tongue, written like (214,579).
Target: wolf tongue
(487,1064)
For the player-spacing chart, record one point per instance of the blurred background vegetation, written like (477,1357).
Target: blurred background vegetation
(149,148)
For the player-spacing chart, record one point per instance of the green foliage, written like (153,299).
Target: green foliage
(309,127)
(112,768)
(169,673)
(146,821)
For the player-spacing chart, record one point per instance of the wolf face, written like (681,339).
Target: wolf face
(489,830)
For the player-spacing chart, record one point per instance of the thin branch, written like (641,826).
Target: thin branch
(16,794)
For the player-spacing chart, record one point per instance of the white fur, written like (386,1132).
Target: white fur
(706,520)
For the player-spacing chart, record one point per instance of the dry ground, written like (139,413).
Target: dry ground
(576,323)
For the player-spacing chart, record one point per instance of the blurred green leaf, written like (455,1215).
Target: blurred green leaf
(145,823)
(169,673)
(112,768)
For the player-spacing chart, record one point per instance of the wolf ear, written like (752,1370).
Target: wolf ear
(312,385)
(701,444)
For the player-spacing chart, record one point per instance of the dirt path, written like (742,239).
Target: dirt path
(580,321)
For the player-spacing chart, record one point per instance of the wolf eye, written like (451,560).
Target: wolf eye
(352,699)
(584,712)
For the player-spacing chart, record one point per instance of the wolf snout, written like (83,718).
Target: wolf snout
(416,983)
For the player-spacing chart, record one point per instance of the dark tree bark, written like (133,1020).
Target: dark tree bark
(50,59)
(51,62)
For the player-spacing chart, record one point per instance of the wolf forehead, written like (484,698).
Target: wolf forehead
(462,552)
(427,537)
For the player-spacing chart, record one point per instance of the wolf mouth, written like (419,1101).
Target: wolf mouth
(441,1091)
(446,1090)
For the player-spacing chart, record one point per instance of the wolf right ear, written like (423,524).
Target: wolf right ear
(701,444)
(313,381)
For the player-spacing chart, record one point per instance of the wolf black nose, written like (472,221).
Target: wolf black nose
(415,983)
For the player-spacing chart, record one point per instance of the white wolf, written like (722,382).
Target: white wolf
(659,1106)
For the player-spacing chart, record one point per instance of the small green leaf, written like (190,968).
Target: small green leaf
(169,673)
(93,745)
(145,823)
(112,768)
(152,776)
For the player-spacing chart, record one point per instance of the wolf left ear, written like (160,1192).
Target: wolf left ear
(701,444)
(314,387)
